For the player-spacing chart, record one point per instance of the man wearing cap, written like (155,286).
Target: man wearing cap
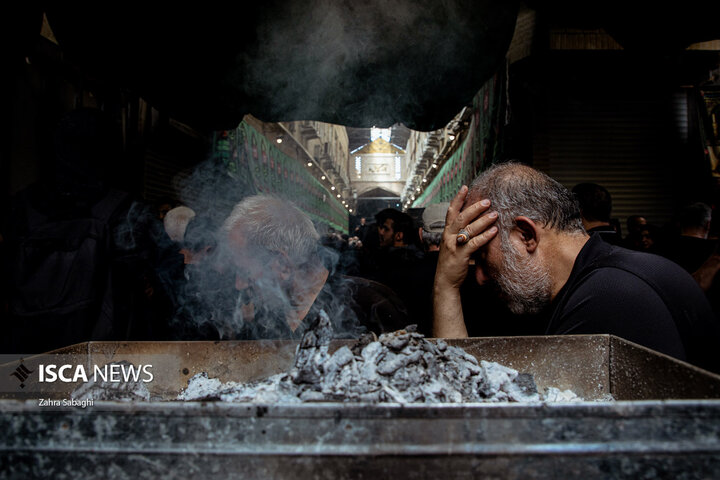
(430,232)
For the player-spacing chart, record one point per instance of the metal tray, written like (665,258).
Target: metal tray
(665,424)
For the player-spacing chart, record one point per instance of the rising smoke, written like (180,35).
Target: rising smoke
(369,63)
(260,262)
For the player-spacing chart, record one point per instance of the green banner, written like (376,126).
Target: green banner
(252,159)
(479,150)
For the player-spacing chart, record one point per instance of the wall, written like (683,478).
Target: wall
(259,165)
(381,166)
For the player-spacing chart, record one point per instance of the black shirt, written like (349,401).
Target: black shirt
(607,233)
(640,297)
(355,306)
(689,252)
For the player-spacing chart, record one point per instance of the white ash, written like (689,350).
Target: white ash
(553,394)
(115,391)
(401,367)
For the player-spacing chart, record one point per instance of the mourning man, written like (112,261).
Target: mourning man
(283,277)
(525,233)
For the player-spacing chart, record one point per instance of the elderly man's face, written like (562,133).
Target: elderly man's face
(252,264)
(521,279)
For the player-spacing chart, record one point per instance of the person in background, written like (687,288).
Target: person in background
(525,233)
(634,240)
(176,221)
(199,240)
(283,277)
(362,229)
(433,224)
(416,292)
(635,223)
(163,205)
(643,240)
(395,229)
(595,207)
(80,254)
(398,255)
(691,248)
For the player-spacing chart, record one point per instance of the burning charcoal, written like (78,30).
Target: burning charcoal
(371,352)
(342,356)
(494,377)
(395,340)
(401,367)
(556,395)
(312,396)
(393,395)
(341,372)
(364,340)
(392,362)
(313,351)
(526,383)
(200,386)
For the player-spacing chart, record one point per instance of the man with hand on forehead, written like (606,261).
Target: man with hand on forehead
(525,233)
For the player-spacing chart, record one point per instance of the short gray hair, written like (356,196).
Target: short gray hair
(515,189)
(275,224)
(430,239)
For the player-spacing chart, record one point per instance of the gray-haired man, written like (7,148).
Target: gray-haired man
(283,277)
(525,232)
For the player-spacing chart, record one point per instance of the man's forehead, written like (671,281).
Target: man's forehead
(236,238)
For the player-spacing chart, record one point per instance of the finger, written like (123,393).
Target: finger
(456,205)
(481,224)
(469,214)
(481,239)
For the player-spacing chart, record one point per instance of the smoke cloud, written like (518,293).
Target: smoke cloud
(247,286)
(373,63)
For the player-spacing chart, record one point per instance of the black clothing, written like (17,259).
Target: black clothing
(404,271)
(354,305)
(689,252)
(607,233)
(640,297)
(361,231)
(416,290)
(80,267)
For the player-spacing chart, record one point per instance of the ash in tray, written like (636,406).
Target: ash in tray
(400,367)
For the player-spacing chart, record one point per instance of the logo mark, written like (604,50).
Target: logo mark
(22,373)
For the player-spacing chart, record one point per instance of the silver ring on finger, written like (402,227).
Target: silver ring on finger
(463,237)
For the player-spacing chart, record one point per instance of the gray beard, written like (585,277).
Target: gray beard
(524,285)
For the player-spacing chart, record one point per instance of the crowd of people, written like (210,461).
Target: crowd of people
(515,253)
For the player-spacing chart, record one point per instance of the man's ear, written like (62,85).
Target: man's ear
(528,232)
(399,236)
(420,231)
